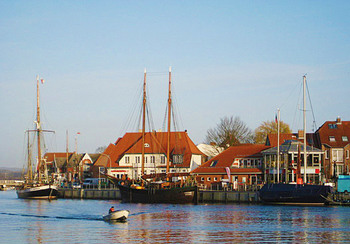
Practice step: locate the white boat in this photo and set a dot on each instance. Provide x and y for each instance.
(118, 215)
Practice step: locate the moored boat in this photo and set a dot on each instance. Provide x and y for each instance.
(38, 192)
(295, 192)
(37, 186)
(299, 194)
(156, 194)
(165, 189)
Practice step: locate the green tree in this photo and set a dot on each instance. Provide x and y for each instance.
(269, 127)
(230, 131)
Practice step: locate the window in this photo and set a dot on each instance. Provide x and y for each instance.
(146, 159)
(213, 163)
(162, 159)
(163, 170)
(327, 154)
(215, 179)
(202, 178)
(208, 179)
(177, 159)
(146, 145)
(331, 138)
(137, 159)
(347, 153)
(153, 159)
(337, 155)
(332, 126)
(127, 159)
(344, 138)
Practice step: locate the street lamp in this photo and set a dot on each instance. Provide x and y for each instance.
(110, 164)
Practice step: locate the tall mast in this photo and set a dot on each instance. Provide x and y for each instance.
(278, 145)
(30, 167)
(38, 126)
(304, 115)
(143, 124)
(169, 123)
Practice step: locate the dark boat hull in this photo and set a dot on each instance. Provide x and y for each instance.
(152, 195)
(38, 192)
(294, 194)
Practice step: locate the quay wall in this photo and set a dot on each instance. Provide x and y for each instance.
(228, 197)
(203, 196)
(104, 194)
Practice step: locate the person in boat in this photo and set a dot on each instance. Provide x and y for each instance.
(111, 210)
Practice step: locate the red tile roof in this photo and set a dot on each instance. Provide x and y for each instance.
(131, 143)
(227, 157)
(272, 139)
(338, 130)
(50, 156)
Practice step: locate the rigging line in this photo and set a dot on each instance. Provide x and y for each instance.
(296, 109)
(149, 112)
(134, 107)
(312, 110)
(290, 94)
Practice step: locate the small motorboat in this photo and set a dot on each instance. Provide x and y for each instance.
(118, 215)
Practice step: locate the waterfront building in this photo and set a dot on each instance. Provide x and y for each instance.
(123, 158)
(70, 165)
(237, 165)
(333, 139)
(291, 152)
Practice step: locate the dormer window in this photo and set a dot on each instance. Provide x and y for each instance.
(146, 145)
(332, 126)
(331, 138)
(344, 138)
(213, 163)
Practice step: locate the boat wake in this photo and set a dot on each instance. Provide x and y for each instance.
(53, 217)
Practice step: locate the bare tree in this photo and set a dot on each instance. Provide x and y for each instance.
(269, 127)
(101, 149)
(230, 131)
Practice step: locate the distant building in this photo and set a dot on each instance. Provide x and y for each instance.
(333, 139)
(123, 158)
(242, 164)
(70, 166)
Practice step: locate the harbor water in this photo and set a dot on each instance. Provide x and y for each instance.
(80, 221)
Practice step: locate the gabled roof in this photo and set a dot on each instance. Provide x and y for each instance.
(227, 157)
(272, 139)
(336, 129)
(155, 143)
(51, 156)
(291, 146)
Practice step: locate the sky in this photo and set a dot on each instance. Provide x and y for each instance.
(228, 58)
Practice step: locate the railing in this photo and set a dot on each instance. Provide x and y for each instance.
(239, 187)
(11, 182)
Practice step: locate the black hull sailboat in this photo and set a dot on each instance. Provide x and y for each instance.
(174, 195)
(38, 192)
(299, 194)
(166, 191)
(284, 193)
(37, 187)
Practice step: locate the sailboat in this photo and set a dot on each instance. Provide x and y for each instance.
(157, 191)
(37, 187)
(299, 193)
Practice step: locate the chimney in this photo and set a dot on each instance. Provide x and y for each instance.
(300, 134)
(338, 120)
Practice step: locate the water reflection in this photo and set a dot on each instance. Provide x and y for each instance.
(79, 221)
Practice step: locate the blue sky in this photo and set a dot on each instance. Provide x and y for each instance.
(228, 58)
